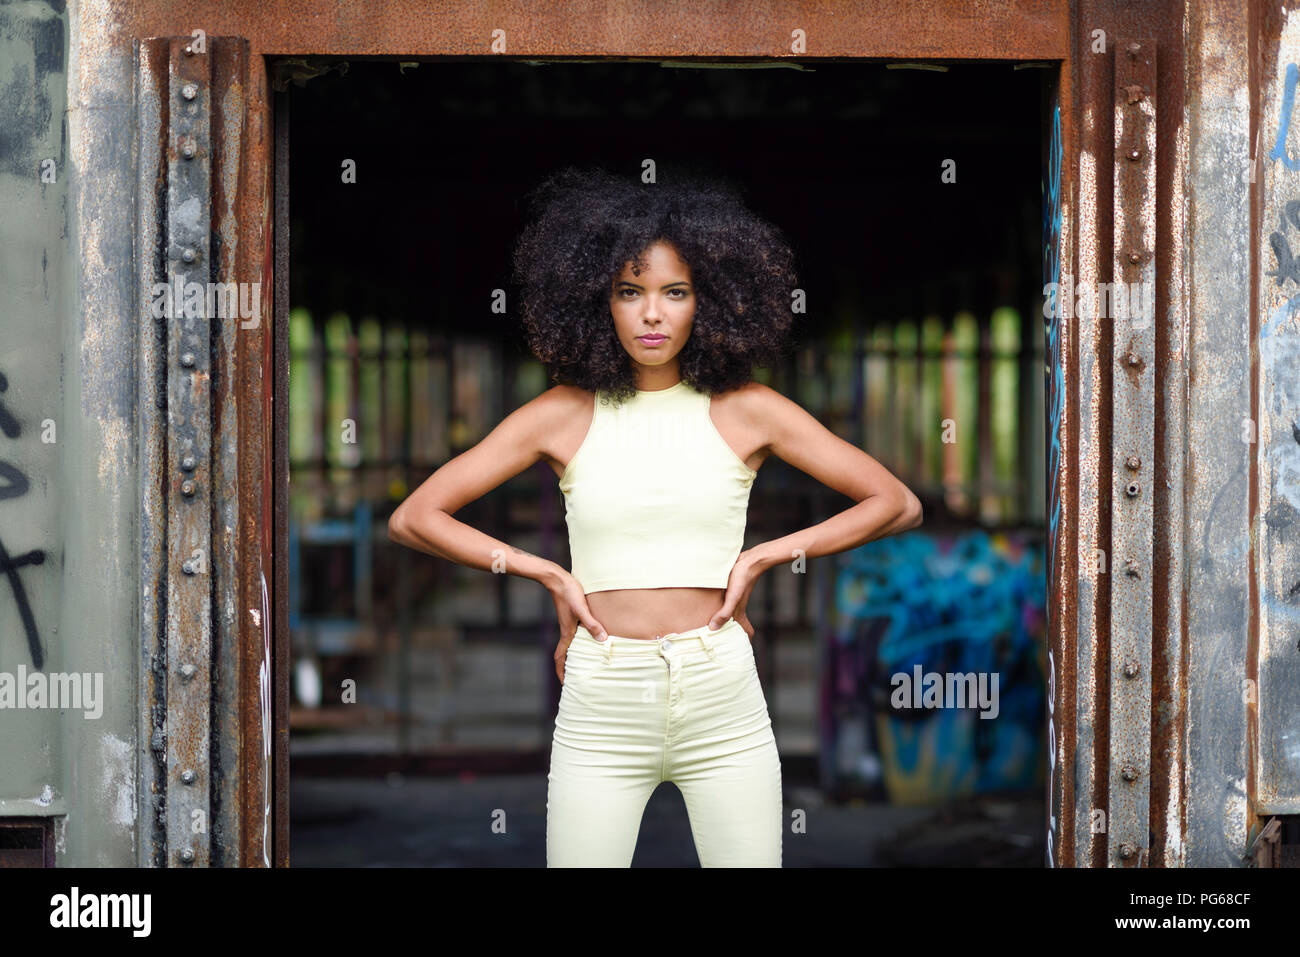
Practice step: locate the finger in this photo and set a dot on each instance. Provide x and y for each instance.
(722, 614)
(596, 629)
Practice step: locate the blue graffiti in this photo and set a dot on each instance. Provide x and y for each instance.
(1284, 121)
(1055, 388)
(970, 603)
(1055, 383)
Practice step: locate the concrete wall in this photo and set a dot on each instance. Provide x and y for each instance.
(67, 443)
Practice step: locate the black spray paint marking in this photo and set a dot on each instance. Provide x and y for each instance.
(14, 484)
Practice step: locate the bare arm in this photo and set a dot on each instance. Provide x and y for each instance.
(424, 520)
(885, 505)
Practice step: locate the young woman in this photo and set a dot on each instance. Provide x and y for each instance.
(651, 305)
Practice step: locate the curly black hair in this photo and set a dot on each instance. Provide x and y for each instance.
(585, 225)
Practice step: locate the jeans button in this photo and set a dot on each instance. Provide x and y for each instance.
(665, 644)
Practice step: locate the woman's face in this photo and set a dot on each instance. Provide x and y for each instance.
(653, 312)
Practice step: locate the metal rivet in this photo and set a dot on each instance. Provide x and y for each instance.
(1129, 773)
(1131, 669)
(1135, 257)
(187, 856)
(187, 360)
(187, 567)
(187, 776)
(1135, 154)
(1126, 851)
(1133, 462)
(1134, 49)
(1131, 569)
(188, 150)
(189, 91)
(188, 671)
(188, 255)
(190, 50)
(1132, 490)
(188, 463)
(187, 487)
(1133, 359)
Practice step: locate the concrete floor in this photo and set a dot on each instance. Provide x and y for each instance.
(447, 822)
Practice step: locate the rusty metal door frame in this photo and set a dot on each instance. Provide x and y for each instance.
(1118, 401)
(205, 684)
(1080, 392)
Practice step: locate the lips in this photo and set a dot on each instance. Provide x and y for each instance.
(652, 339)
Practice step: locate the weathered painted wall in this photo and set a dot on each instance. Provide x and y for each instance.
(1277, 406)
(33, 258)
(67, 439)
(1218, 461)
(1243, 446)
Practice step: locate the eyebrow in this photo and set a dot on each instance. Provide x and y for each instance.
(679, 282)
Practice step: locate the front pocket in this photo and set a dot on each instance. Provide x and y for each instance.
(582, 664)
(736, 652)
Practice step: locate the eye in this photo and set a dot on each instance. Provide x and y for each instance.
(627, 289)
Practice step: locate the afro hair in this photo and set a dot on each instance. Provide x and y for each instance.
(585, 226)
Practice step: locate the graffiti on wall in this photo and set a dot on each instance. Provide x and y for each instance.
(13, 485)
(968, 603)
(1055, 387)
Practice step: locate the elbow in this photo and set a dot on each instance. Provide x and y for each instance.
(397, 526)
(911, 512)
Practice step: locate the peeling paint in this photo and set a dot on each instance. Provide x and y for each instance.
(117, 781)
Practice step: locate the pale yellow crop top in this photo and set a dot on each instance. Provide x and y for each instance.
(654, 496)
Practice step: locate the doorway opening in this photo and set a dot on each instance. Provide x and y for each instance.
(423, 691)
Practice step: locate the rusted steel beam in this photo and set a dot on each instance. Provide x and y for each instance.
(241, 534)
(1078, 406)
(188, 463)
(888, 29)
(1125, 308)
(1087, 571)
(278, 499)
(152, 88)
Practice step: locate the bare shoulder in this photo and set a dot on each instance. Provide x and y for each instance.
(561, 403)
(560, 417)
(745, 399)
(754, 405)
(553, 407)
(745, 417)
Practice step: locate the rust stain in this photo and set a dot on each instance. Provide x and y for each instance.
(886, 29)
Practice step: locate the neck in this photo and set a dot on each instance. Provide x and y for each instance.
(658, 378)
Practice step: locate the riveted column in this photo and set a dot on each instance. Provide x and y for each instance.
(1129, 310)
(188, 466)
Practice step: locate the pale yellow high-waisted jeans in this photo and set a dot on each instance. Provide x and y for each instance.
(687, 708)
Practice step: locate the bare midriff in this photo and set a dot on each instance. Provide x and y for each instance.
(651, 612)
